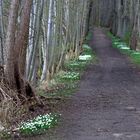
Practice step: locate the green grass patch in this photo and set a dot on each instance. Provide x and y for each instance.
(86, 50)
(69, 76)
(135, 58)
(89, 36)
(86, 57)
(75, 65)
(127, 37)
(65, 93)
(125, 49)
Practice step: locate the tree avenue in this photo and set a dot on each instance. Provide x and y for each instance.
(37, 37)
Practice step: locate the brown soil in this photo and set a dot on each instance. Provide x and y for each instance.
(107, 104)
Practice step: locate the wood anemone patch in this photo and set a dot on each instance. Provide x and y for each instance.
(15, 102)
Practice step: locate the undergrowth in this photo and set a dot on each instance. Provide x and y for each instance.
(62, 86)
(39, 124)
(65, 82)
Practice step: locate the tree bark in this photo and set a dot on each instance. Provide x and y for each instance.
(10, 43)
(15, 64)
(22, 37)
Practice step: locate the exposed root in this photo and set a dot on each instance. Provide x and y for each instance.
(8, 105)
(14, 105)
(17, 101)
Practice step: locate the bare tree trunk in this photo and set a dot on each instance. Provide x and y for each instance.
(1, 34)
(22, 39)
(39, 13)
(134, 35)
(17, 49)
(45, 48)
(10, 43)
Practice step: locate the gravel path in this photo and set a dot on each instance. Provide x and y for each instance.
(107, 104)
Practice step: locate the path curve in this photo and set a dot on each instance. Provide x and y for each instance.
(107, 104)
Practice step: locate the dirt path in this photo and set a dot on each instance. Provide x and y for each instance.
(107, 104)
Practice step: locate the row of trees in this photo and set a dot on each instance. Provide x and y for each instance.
(121, 16)
(38, 35)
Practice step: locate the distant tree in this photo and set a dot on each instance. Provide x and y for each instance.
(121, 16)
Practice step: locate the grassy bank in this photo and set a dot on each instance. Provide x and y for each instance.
(125, 49)
(61, 87)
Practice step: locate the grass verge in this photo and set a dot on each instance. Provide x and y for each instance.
(65, 82)
(125, 49)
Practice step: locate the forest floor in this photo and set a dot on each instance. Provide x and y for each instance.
(107, 104)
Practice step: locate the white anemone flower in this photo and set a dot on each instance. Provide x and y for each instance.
(85, 57)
